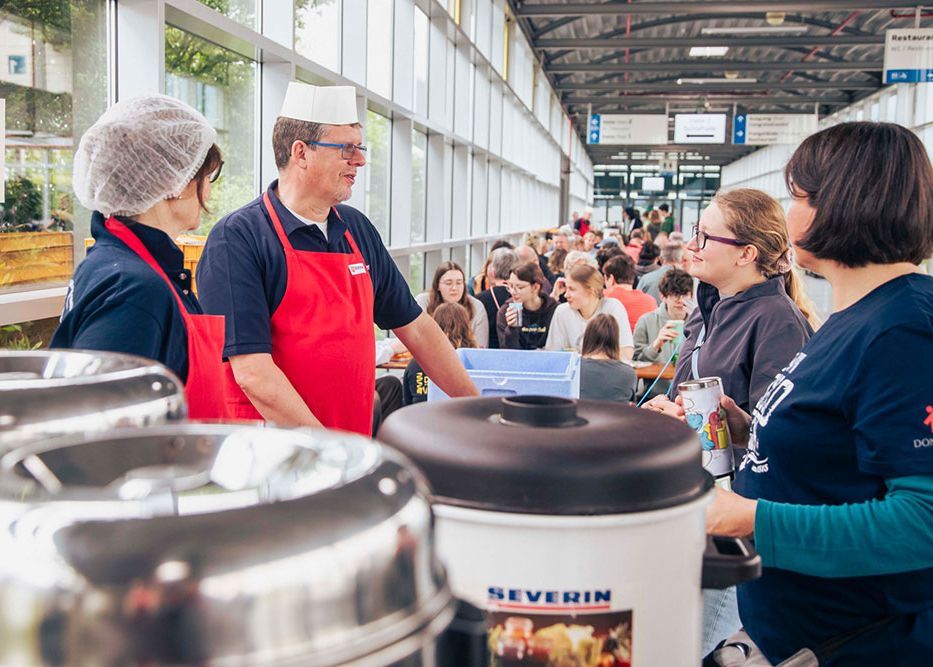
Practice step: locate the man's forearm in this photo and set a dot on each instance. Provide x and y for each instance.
(270, 392)
(436, 356)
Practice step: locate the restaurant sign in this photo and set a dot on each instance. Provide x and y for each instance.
(908, 56)
(767, 129)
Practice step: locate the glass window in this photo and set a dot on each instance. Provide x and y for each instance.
(317, 31)
(419, 168)
(222, 85)
(55, 86)
(241, 11)
(421, 62)
(416, 272)
(378, 137)
(379, 47)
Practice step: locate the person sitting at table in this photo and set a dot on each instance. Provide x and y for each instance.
(603, 375)
(526, 285)
(838, 457)
(647, 259)
(449, 286)
(555, 264)
(619, 274)
(574, 258)
(635, 242)
(503, 260)
(657, 336)
(752, 318)
(454, 321)
(584, 300)
(482, 280)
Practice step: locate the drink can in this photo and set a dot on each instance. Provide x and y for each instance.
(704, 414)
(517, 307)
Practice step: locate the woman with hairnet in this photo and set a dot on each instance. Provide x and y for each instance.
(145, 169)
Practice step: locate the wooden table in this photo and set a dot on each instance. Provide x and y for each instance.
(394, 365)
(651, 372)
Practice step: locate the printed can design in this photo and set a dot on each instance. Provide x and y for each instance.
(704, 415)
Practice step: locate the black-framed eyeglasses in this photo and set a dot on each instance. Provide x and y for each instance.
(702, 237)
(347, 151)
(213, 177)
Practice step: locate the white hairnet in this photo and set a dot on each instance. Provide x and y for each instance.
(139, 152)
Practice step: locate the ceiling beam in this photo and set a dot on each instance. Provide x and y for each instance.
(675, 20)
(661, 8)
(718, 66)
(725, 85)
(689, 42)
(712, 99)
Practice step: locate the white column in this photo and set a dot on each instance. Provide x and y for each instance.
(438, 188)
(479, 207)
(140, 48)
(274, 83)
(354, 40)
(437, 69)
(461, 193)
(404, 53)
(400, 200)
(278, 21)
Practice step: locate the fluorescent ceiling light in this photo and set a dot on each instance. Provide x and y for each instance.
(755, 30)
(708, 51)
(681, 82)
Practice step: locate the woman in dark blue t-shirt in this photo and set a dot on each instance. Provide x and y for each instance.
(839, 463)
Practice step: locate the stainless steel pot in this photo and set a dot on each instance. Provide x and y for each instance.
(52, 392)
(217, 544)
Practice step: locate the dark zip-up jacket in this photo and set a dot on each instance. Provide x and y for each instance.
(750, 337)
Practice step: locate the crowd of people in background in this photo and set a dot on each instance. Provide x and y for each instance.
(592, 288)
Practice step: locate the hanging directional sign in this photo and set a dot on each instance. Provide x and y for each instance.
(766, 129)
(627, 129)
(908, 56)
(700, 128)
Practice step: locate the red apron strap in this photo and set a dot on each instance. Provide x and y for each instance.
(276, 223)
(353, 247)
(132, 241)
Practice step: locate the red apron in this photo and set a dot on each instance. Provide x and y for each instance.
(322, 336)
(203, 390)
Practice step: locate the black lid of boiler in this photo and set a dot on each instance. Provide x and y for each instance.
(546, 455)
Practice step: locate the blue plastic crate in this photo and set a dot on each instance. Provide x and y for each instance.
(515, 372)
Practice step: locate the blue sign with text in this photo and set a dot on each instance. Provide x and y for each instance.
(592, 133)
(909, 76)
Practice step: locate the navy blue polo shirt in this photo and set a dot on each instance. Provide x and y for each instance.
(242, 273)
(852, 409)
(118, 303)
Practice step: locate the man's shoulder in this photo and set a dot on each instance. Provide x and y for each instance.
(242, 220)
(643, 299)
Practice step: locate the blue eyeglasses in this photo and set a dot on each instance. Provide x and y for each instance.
(347, 151)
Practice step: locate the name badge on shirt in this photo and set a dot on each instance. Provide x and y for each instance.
(357, 269)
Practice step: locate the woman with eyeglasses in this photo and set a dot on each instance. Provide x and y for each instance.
(752, 318)
(523, 321)
(145, 169)
(449, 286)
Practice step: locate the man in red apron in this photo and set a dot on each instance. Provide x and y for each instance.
(302, 280)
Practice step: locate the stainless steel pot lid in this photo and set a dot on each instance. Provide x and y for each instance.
(44, 392)
(223, 544)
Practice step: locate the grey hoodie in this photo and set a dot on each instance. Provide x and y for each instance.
(750, 337)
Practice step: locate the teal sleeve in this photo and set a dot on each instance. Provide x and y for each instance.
(876, 537)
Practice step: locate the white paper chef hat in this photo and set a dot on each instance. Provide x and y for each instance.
(331, 105)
